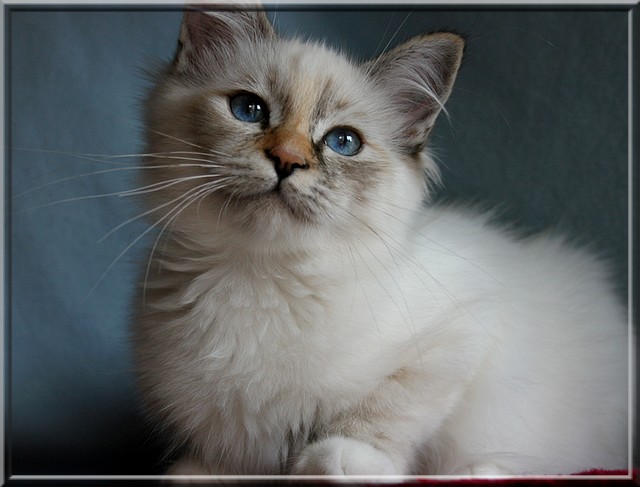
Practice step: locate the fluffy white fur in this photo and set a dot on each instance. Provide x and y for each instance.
(372, 335)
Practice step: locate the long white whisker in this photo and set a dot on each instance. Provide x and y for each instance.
(393, 14)
(351, 248)
(417, 264)
(137, 239)
(71, 200)
(124, 251)
(71, 178)
(154, 154)
(208, 162)
(226, 204)
(202, 192)
(96, 196)
(85, 157)
(164, 184)
(106, 171)
(205, 190)
(392, 253)
(440, 247)
(169, 136)
(373, 64)
(207, 149)
(153, 210)
(100, 157)
(397, 31)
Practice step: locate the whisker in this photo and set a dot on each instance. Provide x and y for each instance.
(178, 139)
(153, 210)
(209, 150)
(104, 156)
(108, 159)
(384, 34)
(440, 248)
(404, 21)
(372, 65)
(226, 204)
(208, 162)
(156, 154)
(71, 178)
(414, 263)
(164, 184)
(391, 251)
(106, 171)
(101, 195)
(71, 200)
(130, 245)
(374, 316)
(410, 321)
(83, 156)
(113, 263)
(203, 192)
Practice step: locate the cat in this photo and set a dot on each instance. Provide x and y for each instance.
(306, 311)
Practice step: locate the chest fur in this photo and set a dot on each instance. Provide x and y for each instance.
(264, 356)
(242, 329)
(277, 331)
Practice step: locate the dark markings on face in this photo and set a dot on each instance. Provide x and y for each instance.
(279, 93)
(318, 152)
(324, 102)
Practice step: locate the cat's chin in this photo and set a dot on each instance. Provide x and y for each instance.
(280, 203)
(269, 222)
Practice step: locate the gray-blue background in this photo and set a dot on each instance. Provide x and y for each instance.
(538, 126)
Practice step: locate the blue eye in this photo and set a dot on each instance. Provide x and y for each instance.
(343, 141)
(248, 107)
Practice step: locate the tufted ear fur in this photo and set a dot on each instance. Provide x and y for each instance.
(207, 35)
(418, 76)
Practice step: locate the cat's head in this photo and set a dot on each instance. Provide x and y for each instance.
(280, 138)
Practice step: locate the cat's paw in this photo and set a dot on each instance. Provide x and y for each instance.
(187, 471)
(482, 469)
(343, 456)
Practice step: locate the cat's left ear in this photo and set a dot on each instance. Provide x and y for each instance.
(418, 76)
(211, 34)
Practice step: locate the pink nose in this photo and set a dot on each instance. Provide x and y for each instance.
(286, 160)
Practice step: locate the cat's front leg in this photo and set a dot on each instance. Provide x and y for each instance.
(384, 433)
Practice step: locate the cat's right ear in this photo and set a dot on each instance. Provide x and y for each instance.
(207, 35)
(418, 77)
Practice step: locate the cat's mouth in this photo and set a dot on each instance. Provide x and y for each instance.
(292, 201)
(261, 195)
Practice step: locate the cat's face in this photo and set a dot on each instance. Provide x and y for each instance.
(268, 135)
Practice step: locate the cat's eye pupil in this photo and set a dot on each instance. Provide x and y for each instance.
(248, 107)
(343, 141)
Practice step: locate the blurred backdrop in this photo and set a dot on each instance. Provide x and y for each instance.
(537, 127)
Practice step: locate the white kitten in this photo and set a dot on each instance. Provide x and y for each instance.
(305, 313)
